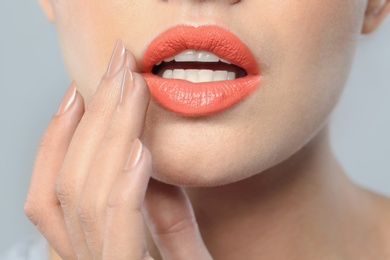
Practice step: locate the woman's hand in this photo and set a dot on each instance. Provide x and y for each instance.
(91, 175)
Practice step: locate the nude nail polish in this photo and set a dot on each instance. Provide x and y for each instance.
(135, 154)
(130, 61)
(127, 85)
(68, 100)
(117, 59)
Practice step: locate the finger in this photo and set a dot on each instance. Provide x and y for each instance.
(82, 149)
(124, 236)
(130, 61)
(126, 125)
(172, 223)
(42, 205)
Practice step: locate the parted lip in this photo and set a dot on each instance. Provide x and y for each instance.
(210, 38)
(198, 99)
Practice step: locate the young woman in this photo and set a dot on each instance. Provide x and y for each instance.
(210, 126)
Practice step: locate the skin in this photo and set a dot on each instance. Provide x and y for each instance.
(283, 194)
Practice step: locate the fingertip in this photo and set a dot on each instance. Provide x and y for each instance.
(72, 102)
(141, 172)
(130, 187)
(141, 85)
(131, 61)
(80, 104)
(144, 165)
(135, 154)
(68, 100)
(147, 155)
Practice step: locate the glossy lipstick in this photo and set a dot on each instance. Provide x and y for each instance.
(196, 99)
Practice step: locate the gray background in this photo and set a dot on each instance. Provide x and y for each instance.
(33, 81)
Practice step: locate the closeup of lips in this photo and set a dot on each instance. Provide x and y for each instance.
(198, 71)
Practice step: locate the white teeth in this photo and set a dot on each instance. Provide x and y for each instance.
(194, 56)
(169, 59)
(188, 55)
(179, 74)
(231, 75)
(220, 75)
(168, 74)
(158, 63)
(197, 76)
(206, 75)
(205, 56)
(192, 75)
(224, 61)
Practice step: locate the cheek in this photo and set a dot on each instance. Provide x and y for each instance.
(80, 24)
(308, 47)
(87, 32)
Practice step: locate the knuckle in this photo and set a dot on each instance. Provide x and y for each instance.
(34, 214)
(31, 212)
(178, 226)
(64, 191)
(119, 201)
(112, 132)
(87, 214)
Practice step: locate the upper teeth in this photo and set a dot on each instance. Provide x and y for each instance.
(193, 56)
(199, 75)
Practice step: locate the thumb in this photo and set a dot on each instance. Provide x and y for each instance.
(171, 220)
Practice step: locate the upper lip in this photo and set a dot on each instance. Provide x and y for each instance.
(210, 38)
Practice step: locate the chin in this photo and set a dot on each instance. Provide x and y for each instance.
(194, 162)
(191, 164)
(218, 150)
(178, 171)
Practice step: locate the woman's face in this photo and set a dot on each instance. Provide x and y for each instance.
(304, 51)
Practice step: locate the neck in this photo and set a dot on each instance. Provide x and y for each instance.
(289, 210)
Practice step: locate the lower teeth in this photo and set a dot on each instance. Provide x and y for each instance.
(199, 75)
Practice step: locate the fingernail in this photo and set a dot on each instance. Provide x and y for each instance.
(127, 84)
(67, 100)
(130, 61)
(117, 59)
(135, 154)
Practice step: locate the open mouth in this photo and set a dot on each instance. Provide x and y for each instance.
(199, 70)
(197, 67)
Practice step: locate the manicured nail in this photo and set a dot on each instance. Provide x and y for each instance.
(117, 59)
(135, 154)
(127, 85)
(130, 61)
(67, 100)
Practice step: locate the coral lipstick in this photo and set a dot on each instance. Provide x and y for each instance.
(200, 98)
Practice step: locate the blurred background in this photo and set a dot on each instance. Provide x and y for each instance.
(33, 81)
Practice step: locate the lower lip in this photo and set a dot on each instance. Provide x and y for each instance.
(197, 99)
